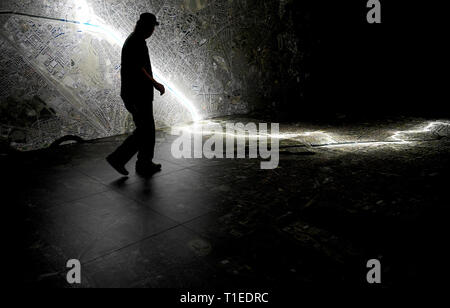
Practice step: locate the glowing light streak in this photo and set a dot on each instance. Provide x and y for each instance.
(92, 22)
(398, 137)
(427, 129)
(202, 128)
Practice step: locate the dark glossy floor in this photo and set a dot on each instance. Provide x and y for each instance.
(316, 219)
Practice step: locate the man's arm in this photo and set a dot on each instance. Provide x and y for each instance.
(156, 84)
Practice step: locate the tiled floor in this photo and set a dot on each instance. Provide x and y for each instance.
(211, 223)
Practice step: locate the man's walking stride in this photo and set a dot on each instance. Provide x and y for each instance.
(137, 94)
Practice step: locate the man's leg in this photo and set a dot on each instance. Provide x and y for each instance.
(123, 154)
(146, 141)
(146, 137)
(128, 149)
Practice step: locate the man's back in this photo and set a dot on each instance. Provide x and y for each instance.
(135, 57)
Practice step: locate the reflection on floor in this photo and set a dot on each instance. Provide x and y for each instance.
(316, 219)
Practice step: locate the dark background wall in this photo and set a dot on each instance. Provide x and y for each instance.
(333, 63)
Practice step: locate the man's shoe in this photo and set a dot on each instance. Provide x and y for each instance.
(156, 166)
(117, 166)
(148, 170)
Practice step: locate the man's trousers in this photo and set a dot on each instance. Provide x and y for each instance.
(142, 141)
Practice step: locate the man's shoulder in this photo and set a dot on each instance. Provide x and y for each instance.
(132, 40)
(129, 38)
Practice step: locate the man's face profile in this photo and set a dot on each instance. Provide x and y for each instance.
(149, 31)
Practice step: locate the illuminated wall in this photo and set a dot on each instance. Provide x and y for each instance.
(60, 63)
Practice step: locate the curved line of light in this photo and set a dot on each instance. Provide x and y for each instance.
(118, 39)
(429, 128)
(396, 137)
(198, 128)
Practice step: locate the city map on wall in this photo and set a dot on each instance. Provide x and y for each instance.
(60, 64)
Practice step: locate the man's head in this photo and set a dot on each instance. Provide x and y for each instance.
(146, 25)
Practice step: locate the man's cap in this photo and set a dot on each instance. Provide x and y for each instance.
(148, 19)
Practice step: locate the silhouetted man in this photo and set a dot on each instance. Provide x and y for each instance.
(137, 94)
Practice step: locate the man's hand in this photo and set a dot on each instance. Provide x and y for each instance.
(160, 88)
(156, 84)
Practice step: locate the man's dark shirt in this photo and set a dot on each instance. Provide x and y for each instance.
(135, 84)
